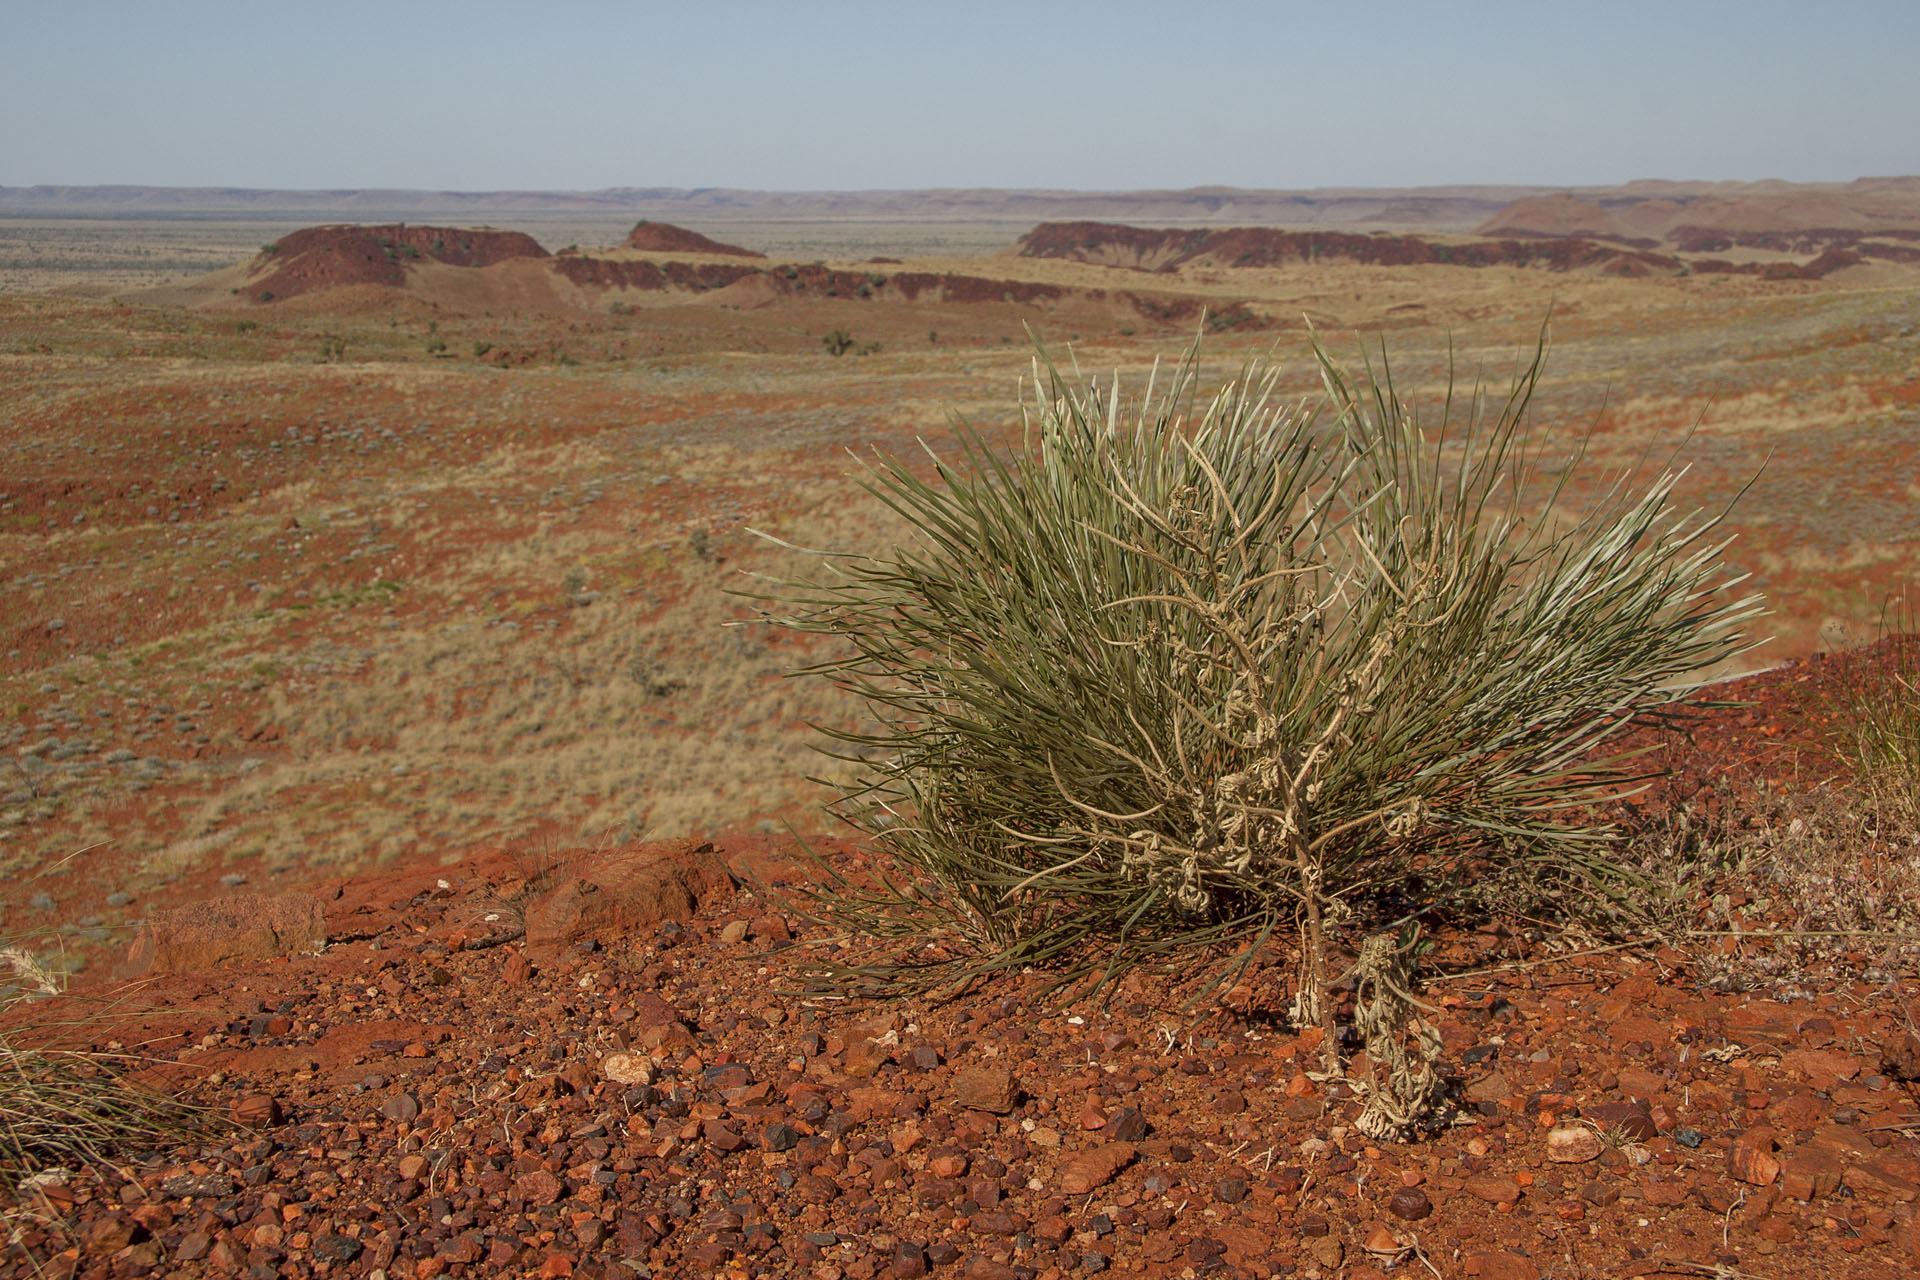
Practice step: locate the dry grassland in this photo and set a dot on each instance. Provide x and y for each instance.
(330, 583)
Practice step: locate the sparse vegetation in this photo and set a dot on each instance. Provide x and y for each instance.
(1878, 726)
(837, 342)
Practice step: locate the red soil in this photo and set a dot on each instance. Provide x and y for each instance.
(664, 237)
(330, 257)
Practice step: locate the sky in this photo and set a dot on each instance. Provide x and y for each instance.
(589, 94)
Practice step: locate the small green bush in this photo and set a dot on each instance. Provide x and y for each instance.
(837, 342)
(1185, 672)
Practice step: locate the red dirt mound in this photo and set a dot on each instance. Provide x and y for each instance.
(331, 257)
(664, 237)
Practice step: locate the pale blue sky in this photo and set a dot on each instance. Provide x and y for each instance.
(583, 94)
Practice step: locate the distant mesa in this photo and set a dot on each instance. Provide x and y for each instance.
(1557, 215)
(1148, 249)
(664, 237)
(1872, 218)
(332, 257)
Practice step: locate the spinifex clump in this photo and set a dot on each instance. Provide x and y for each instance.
(1181, 673)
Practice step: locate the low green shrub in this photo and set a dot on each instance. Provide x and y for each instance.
(1189, 672)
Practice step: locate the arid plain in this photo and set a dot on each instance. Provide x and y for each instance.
(380, 573)
(403, 573)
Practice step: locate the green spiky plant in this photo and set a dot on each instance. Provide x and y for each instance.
(1180, 673)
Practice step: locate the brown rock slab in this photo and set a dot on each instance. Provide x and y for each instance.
(1810, 1174)
(240, 928)
(632, 888)
(1493, 1188)
(1096, 1167)
(1501, 1266)
(986, 1089)
(1823, 1068)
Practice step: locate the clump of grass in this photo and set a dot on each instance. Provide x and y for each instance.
(1879, 732)
(1183, 671)
(65, 1108)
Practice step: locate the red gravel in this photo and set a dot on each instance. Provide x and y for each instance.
(429, 1097)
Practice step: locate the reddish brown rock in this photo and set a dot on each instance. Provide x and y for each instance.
(1493, 1188)
(1751, 1159)
(1810, 1173)
(1823, 1068)
(986, 1089)
(256, 1111)
(1501, 1266)
(240, 928)
(865, 1057)
(626, 890)
(538, 1187)
(1095, 1168)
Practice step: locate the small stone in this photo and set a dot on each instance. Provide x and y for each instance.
(1232, 1190)
(1501, 1266)
(1493, 1188)
(1600, 1194)
(779, 1137)
(720, 1137)
(1381, 1243)
(1490, 1088)
(1809, 1174)
(627, 1068)
(538, 1187)
(336, 1248)
(516, 970)
(1327, 1251)
(413, 1166)
(1572, 1144)
(909, 1262)
(864, 1058)
(257, 1111)
(1410, 1204)
(1095, 1168)
(735, 932)
(200, 1186)
(1751, 1159)
(1126, 1125)
(986, 1089)
(401, 1107)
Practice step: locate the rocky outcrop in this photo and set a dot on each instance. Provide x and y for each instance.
(243, 928)
(331, 257)
(664, 237)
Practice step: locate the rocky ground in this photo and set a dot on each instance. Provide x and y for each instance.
(618, 1064)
